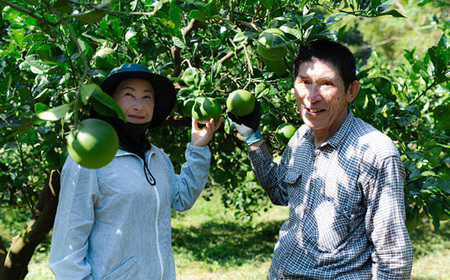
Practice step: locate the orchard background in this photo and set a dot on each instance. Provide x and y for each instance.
(54, 53)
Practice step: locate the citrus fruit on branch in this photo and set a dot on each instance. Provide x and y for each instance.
(271, 44)
(241, 102)
(93, 144)
(206, 108)
(276, 66)
(285, 132)
(187, 107)
(270, 119)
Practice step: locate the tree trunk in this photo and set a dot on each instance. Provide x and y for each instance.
(2, 253)
(23, 246)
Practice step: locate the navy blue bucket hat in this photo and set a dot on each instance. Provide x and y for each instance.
(164, 89)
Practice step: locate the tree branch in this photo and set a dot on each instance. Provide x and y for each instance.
(249, 24)
(175, 51)
(31, 14)
(3, 253)
(231, 54)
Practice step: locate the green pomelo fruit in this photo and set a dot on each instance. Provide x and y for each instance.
(270, 119)
(276, 66)
(187, 107)
(271, 44)
(206, 108)
(241, 102)
(191, 76)
(219, 176)
(285, 132)
(93, 144)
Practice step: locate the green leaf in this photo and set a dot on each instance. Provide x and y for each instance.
(442, 116)
(17, 33)
(55, 113)
(87, 90)
(268, 3)
(393, 13)
(35, 45)
(105, 105)
(384, 87)
(178, 42)
(245, 36)
(175, 15)
(90, 16)
(404, 120)
(262, 89)
(427, 173)
(45, 53)
(335, 18)
(130, 34)
(62, 6)
(444, 184)
(36, 64)
(10, 14)
(5, 84)
(207, 11)
(215, 43)
(440, 58)
(40, 107)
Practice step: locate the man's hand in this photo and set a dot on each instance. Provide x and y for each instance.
(248, 126)
(201, 137)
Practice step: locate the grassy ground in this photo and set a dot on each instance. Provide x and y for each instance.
(209, 243)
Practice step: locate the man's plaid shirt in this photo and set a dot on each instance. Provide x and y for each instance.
(346, 206)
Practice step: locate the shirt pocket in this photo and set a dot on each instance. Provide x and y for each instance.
(126, 270)
(293, 183)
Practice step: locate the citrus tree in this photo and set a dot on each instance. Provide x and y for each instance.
(55, 53)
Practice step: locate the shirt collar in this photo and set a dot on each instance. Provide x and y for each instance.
(338, 136)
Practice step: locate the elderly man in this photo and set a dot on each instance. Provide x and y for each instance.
(341, 178)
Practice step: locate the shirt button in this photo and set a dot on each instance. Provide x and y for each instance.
(306, 210)
(312, 184)
(287, 254)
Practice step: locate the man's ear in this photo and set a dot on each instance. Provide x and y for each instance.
(352, 90)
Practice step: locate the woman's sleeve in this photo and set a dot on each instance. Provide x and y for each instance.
(73, 222)
(192, 178)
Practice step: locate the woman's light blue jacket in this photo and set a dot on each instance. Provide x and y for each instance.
(112, 224)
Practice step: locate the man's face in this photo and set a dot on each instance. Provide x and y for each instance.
(321, 97)
(136, 97)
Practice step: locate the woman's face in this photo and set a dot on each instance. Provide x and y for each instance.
(136, 97)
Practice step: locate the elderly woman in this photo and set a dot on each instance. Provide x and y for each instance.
(114, 222)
